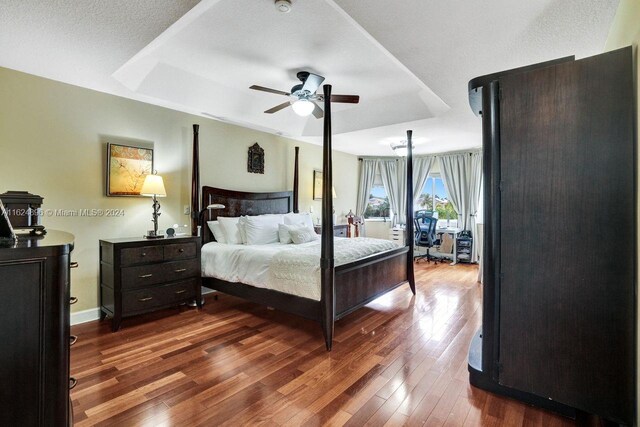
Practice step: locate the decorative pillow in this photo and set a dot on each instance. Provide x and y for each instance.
(297, 218)
(230, 229)
(262, 229)
(216, 229)
(302, 234)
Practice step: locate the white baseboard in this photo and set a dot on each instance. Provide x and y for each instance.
(85, 316)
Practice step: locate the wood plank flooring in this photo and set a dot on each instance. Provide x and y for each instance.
(399, 361)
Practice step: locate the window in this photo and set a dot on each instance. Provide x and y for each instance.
(434, 194)
(378, 206)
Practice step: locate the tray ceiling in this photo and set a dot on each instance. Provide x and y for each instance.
(409, 61)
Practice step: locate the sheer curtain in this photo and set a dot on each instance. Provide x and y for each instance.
(368, 168)
(462, 176)
(395, 186)
(455, 170)
(475, 192)
(421, 168)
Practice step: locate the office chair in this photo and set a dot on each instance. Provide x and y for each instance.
(422, 213)
(425, 236)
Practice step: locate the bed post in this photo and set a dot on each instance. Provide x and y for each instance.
(195, 183)
(327, 272)
(409, 226)
(295, 181)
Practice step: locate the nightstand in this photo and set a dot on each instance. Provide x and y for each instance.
(339, 230)
(138, 275)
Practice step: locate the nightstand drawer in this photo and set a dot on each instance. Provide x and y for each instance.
(179, 251)
(145, 275)
(148, 298)
(340, 232)
(141, 255)
(179, 270)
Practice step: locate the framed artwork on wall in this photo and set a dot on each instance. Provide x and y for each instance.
(127, 167)
(317, 185)
(255, 163)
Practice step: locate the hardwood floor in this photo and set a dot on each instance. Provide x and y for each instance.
(399, 361)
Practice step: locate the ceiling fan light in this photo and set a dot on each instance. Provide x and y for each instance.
(303, 107)
(400, 148)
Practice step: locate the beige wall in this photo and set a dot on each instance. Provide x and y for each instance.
(625, 31)
(52, 140)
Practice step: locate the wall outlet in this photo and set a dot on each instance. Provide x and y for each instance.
(187, 210)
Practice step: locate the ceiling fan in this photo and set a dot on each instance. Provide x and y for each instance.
(303, 96)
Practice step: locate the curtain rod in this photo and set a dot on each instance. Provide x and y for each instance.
(447, 153)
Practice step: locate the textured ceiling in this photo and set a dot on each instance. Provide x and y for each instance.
(409, 60)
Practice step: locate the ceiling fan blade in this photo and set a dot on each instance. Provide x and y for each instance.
(348, 99)
(312, 83)
(317, 111)
(278, 107)
(266, 89)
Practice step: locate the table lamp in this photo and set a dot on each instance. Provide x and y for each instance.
(154, 187)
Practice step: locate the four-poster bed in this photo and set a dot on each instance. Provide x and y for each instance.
(343, 288)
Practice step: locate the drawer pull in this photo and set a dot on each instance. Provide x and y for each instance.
(73, 300)
(181, 291)
(72, 383)
(181, 250)
(72, 340)
(145, 299)
(73, 264)
(145, 276)
(143, 254)
(180, 270)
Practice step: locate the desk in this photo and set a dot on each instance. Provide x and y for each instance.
(454, 233)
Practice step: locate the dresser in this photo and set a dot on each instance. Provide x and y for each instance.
(339, 230)
(138, 275)
(34, 317)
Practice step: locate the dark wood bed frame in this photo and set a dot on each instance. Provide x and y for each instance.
(344, 288)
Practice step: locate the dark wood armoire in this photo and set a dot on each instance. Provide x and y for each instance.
(559, 297)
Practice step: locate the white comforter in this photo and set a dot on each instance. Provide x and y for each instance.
(293, 269)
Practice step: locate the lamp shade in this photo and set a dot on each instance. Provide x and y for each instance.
(303, 107)
(216, 206)
(153, 186)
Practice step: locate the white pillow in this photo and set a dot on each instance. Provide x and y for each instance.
(216, 229)
(243, 233)
(283, 234)
(262, 229)
(297, 218)
(230, 229)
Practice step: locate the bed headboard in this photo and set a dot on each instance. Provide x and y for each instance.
(242, 203)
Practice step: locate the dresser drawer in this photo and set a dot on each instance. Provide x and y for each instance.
(145, 275)
(141, 255)
(179, 251)
(148, 298)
